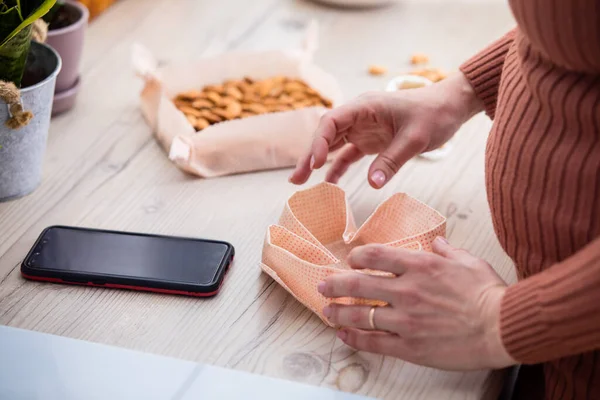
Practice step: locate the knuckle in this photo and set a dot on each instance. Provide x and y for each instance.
(390, 163)
(354, 285)
(326, 118)
(429, 263)
(355, 316)
(417, 140)
(409, 326)
(397, 298)
(374, 253)
(409, 297)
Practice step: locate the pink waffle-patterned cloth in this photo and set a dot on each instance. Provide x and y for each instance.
(317, 231)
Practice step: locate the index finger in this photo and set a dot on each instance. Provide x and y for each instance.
(389, 259)
(331, 126)
(353, 284)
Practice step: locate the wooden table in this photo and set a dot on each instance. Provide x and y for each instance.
(103, 169)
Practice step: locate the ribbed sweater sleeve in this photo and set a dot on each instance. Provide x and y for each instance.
(485, 69)
(555, 313)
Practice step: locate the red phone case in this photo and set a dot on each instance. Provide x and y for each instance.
(126, 287)
(128, 283)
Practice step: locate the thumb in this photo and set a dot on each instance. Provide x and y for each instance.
(389, 161)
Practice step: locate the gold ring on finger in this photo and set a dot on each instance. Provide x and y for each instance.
(372, 318)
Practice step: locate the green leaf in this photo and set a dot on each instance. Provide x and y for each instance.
(31, 10)
(16, 18)
(13, 55)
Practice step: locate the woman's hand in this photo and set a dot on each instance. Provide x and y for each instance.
(443, 312)
(396, 126)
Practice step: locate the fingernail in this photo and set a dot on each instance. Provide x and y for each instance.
(378, 178)
(327, 312)
(312, 162)
(442, 240)
(321, 287)
(342, 334)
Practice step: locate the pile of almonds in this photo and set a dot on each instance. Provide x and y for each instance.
(433, 74)
(243, 98)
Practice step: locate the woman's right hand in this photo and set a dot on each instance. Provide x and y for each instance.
(396, 126)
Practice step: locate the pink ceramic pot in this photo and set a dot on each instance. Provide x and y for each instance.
(68, 42)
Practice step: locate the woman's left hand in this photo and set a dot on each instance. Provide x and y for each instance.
(443, 312)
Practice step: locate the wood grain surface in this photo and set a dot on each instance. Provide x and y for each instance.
(103, 169)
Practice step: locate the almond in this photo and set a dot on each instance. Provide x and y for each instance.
(234, 109)
(214, 88)
(244, 87)
(377, 70)
(419, 58)
(276, 91)
(265, 87)
(298, 95)
(246, 114)
(189, 95)
(226, 100)
(233, 83)
(293, 86)
(255, 108)
(286, 99)
(191, 119)
(201, 123)
(298, 81)
(326, 102)
(211, 116)
(251, 99)
(181, 103)
(433, 74)
(302, 104)
(214, 97)
(234, 92)
(202, 103)
(221, 113)
(190, 111)
(269, 101)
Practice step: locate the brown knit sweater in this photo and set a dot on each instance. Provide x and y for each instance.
(541, 85)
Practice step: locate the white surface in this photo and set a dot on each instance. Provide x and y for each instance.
(357, 3)
(41, 366)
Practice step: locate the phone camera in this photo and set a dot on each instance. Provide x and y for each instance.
(44, 241)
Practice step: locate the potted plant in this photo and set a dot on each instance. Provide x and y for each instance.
(28, 73)
(67, 21)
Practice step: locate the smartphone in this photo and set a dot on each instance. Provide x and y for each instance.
(123, 260)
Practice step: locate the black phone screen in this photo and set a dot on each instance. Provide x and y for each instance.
(146, 257)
